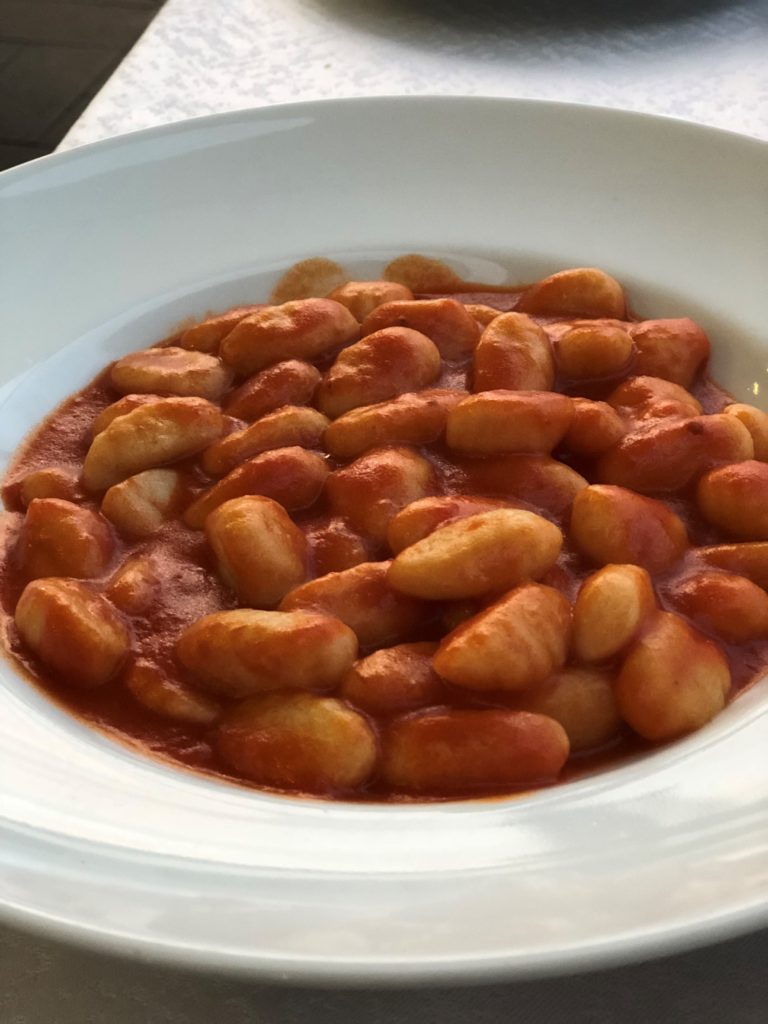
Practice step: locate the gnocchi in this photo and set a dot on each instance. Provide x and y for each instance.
(458, 751)
(673, 680)
(166, 697)
(73, 630)
(651, 398)
(408, 419)
(610, 610)
(516, 643)
(375, 487)
(54, 482)
(59, 538)
(299, 742)
(417, 520)
(735, 499)
(140, 505)
(581, 292)
(243, 652)
(393, 680)
(171, 371)
(583, 701)
(547, 484)
(149, 436)
(671, 349)
(591, 349)
(333, 545)
(124, 405)
(302, 329)
(363, 598)
(756, 422)
(134, 587)
(448, 323)
(362, 297)
(594, 428)
(291, 476)
(748, 559)
(207, 334)
(513, 354)
(384, 364)
(260, 553)
(286, 427)
(731, 607)
(291, 382)
(481, 554)
(682, 450)
(401, 539)
(525, 422)
(615, 525)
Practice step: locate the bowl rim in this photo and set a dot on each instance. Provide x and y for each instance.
(171, 128)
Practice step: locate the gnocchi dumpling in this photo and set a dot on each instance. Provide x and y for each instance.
(301, 329)
(244, 652)
(259, 551)
(383, 365)
(73, 630)
(481, 554)
(459, 751)
(59, 538)
(516, 643)
(150, 436)
(299, 742)
(171, 371)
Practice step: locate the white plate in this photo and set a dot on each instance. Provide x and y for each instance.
(105, 248)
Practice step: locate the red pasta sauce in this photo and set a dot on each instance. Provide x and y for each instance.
(191, 587)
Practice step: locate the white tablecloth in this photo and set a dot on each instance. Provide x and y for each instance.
(705, 60)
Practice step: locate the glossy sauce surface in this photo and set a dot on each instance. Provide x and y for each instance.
(191, 586)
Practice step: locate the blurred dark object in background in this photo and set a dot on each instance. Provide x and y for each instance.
(519, 17)
(55, 55)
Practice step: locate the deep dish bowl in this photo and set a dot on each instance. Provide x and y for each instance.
(107, 248)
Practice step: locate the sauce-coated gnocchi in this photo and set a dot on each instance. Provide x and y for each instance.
(406, 539)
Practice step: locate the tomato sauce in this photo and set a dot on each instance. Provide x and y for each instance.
(191, 587)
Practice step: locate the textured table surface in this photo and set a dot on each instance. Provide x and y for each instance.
(699, 59)
(704, 60)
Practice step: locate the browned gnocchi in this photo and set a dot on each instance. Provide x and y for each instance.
(513, 354)
(418, 418)
(461, 559)
(242, 652)
(459, 750)
(74, 631)
(259, 550)
(59, 538)
(304, 329)
(387, 363)
(519, 641)
(405, 539)
(593, 348)
(291, 382)
(448, 323)
(299, 742)
(374, 488)
(518, 422)
(291, 425)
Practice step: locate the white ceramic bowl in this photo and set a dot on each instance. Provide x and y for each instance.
(102, 250)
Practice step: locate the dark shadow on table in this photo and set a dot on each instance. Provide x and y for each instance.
(514, 18)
